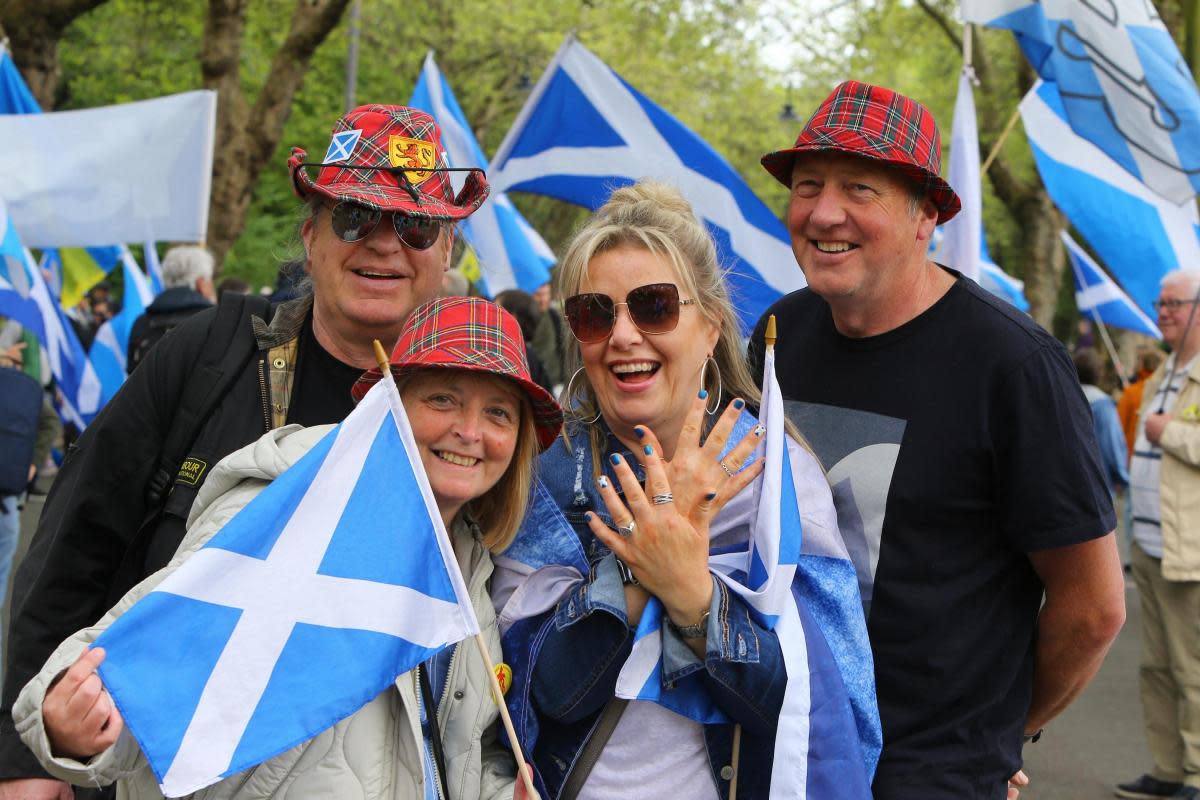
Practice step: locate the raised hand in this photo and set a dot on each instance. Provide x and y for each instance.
(80, 717)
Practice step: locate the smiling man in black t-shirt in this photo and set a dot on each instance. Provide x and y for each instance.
(961, 454)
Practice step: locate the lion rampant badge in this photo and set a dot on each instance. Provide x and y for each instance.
(416, 155)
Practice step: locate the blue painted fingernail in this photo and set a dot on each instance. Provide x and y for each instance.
(640, 431)
(648, 450)
(587, 517)
(739, 404)
(710, 495)
(703, 394)
(615, 459)
(602, 481)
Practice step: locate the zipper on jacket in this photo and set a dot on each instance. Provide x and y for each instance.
(434, 730)
(266, 399)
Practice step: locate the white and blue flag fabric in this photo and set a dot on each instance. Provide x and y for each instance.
(511, 253)
(1124, 85)
(25, 297)
(1100, 298)
(1134, 232)
(585, 131)
(15, 97)
(153, 268)
(991, 276)
(962, 237)
(334, 580)
(111, 344)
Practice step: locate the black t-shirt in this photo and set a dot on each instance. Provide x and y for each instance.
(955, 444)
(321, 386)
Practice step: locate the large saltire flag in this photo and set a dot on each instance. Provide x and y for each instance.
(1137, 234)
(823, 747)
(1124, 85)
(1098, 296)
(336, 579)
(585, 131)
(510, 251)
(109, 348)
(24, 296)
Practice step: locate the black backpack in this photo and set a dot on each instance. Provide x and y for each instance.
(143, 338)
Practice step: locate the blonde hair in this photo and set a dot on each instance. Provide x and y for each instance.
(655, 217)
(499, 511)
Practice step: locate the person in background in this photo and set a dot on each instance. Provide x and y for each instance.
(232, 284)
(187, 273)
(1165, 493)
(1107, 426)
(550, 337)
(523, 306)
(1147, 360)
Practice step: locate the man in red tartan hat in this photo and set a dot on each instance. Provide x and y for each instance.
(377, 236)
(965, 469)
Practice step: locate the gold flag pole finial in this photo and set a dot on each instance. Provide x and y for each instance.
(770, 337)
(381, 357)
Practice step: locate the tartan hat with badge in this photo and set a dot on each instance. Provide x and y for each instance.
(880, 124)
(473, 334)
(390, 158)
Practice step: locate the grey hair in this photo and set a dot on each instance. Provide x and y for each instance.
(184, 265)
(1187, 279)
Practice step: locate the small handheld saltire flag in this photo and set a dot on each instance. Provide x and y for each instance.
(1106, 205)
(1099, 298)
(1125, 87)
(824, 747)
(336, 579)
(510, 251)
(584, 131)
(111, 344)
(24, 296)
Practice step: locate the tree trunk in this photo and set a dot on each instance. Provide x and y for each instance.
(35, 28)
(1043, 255)
(247, 136)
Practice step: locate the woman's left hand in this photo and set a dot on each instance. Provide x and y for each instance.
(665, 551)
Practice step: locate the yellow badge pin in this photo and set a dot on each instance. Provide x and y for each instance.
(504, 677)
(404, 151)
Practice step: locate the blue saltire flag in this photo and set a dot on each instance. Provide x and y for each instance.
(1125, 87)
(991, 276)
(1099, 297)
(15, 97)
(153, 267)
(584, 131)
(111, 344)
(24, 296)
(511, 253)
(336, 579)
(1137, 234)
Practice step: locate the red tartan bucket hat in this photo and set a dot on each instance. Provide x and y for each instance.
(473, 334)
(877, 123)
(389, 158)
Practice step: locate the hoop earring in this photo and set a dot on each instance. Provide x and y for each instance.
(704, 383)
(566, 399)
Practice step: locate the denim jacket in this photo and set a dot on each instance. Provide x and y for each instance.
(567, 658)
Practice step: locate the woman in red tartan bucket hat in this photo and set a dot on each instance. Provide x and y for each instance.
(876, 123)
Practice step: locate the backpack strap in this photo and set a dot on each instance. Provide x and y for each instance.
(222, 361)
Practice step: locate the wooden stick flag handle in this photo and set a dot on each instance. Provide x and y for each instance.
(770, 337)
(381, 357)
(508, 725)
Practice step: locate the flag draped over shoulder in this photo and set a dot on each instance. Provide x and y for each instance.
(1125, 87)
(1099, 298)
(337, 578)
(1138, 235)
(111, 344)
(25, 297)
(509, 250)
(584, 131)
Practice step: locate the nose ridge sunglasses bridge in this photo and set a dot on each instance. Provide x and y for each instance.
(353, 222)
(653, 309)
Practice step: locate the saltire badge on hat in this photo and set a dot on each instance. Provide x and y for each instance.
(342, 145)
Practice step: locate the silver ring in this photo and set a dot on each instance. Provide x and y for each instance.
(727, 470)
(663, 499)
(627, 530)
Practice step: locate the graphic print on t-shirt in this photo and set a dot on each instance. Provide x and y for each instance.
(858, 450)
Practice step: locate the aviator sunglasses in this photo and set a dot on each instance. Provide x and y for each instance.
(352, 222)
(654, 309)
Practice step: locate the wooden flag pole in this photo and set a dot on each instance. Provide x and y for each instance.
(497, 694)
(771, 336)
